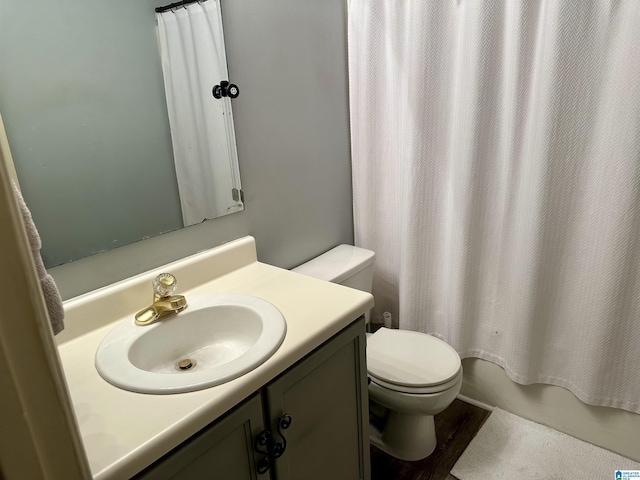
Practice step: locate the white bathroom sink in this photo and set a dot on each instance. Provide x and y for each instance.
(218, 337)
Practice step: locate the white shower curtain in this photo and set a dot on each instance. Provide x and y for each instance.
(193, 61)
(496, 173)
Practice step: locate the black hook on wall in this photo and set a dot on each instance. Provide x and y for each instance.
(225, 89)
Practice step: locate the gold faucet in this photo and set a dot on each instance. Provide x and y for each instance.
(164, 303)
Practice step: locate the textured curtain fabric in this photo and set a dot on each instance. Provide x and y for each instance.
(193, 61)
(496, 173)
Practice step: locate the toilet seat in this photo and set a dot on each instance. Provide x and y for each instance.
(412, 362)
(417, 390)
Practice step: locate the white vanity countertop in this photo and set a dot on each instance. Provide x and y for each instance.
(123, 432)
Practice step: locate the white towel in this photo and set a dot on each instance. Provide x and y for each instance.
(48, 284)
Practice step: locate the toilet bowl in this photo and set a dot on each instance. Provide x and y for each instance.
(412, 376)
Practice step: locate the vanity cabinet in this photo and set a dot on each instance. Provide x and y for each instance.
(223, 450)
(325, 394)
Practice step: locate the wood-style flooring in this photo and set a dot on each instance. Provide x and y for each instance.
(455, 427)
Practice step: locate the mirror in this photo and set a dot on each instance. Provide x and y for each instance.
(98, 143)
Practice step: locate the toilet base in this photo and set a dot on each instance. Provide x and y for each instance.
(407, 437)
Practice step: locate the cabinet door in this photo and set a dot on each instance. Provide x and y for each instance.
(222, 451)
(326, 396)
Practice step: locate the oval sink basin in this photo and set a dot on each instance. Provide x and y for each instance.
(219, 337)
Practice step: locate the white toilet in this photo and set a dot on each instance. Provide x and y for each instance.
(413, 376)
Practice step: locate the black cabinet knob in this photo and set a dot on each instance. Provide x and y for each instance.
(266, 444)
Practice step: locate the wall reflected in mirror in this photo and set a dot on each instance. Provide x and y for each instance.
(83, 99)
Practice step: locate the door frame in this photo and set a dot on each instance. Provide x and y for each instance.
(40, 437)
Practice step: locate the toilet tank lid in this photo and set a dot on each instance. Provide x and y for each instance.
(337, 264)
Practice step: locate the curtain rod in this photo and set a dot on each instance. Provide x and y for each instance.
(176, 5)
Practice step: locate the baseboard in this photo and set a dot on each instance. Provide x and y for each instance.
(475, 403)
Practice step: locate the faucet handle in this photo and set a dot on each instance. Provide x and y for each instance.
(164, 285)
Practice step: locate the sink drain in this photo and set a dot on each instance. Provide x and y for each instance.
(186, 364)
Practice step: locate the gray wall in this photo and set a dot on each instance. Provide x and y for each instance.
(289, 59)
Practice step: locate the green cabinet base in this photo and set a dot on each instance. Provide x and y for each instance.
(325, 394)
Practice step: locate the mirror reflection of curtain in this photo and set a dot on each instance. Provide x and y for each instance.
(193, 61)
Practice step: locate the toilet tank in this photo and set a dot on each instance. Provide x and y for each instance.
(345, 264)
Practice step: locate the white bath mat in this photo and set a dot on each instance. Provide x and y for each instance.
(510, 447)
